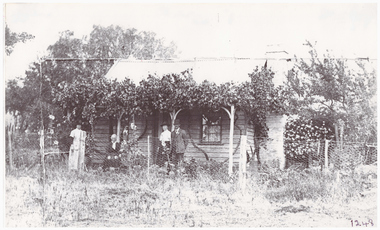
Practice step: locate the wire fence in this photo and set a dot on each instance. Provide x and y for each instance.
(330, 154)
(154, 155)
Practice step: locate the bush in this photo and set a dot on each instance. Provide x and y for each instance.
(301, 136)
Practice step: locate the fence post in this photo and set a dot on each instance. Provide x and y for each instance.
(318, 152)
(10, 148)
(42, 152)
(319, 146)
(148, 154)
(326, 154)
(243, 162)
(231, 152)
(309, 155)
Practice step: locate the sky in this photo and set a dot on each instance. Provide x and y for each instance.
(203, 29)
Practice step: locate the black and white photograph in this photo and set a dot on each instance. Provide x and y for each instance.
(190, 114)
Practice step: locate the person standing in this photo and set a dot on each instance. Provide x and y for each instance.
(77, 149)
(113, 154)
(179, 144)
(164, 148)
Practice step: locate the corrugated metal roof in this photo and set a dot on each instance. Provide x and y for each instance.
(218, 70)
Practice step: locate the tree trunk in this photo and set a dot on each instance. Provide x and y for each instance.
(256, 143)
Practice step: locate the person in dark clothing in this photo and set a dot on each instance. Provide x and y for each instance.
(113, 154)
(179, 144)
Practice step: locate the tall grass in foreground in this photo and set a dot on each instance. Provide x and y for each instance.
(312, 184)
(203, 195)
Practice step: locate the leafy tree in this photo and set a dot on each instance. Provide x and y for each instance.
(106, 44)
(116, 42)
(12, 38)
(335, 90)
(171, 93)
(73, 65)
(25, 100)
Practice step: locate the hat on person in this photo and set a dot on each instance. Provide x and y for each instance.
(177, 122)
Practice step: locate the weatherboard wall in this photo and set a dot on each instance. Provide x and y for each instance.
(191, 122)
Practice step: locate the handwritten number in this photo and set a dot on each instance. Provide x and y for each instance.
(370, 221)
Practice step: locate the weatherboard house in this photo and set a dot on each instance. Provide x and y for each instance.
(204, 144)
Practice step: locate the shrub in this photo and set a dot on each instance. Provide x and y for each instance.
(301, 135)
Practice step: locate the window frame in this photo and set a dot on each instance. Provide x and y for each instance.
(203, 142)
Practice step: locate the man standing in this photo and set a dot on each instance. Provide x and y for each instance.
(179, 144)
(77, 149)
(163, 151)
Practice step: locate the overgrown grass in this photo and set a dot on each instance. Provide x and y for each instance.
(312, 184)
(201, 196)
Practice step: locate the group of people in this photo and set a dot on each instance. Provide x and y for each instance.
(172, 146)
(170, 152)
(77, 151)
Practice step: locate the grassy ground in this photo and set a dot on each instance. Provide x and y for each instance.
(201, 197)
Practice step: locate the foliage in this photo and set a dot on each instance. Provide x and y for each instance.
(259, 97)
(116, 42)
(80, 99)
(301, 135)
(72, 88)
(168, 93)
(12, 38)
(337, 90)
(211, 97)
(26, 97)
(132, 154)
(119, 98)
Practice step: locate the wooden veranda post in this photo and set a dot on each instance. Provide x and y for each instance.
(118, 129)
(148, 155)
(173, 116)
(231, 150)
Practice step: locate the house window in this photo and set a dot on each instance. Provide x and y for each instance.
(212, 128)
